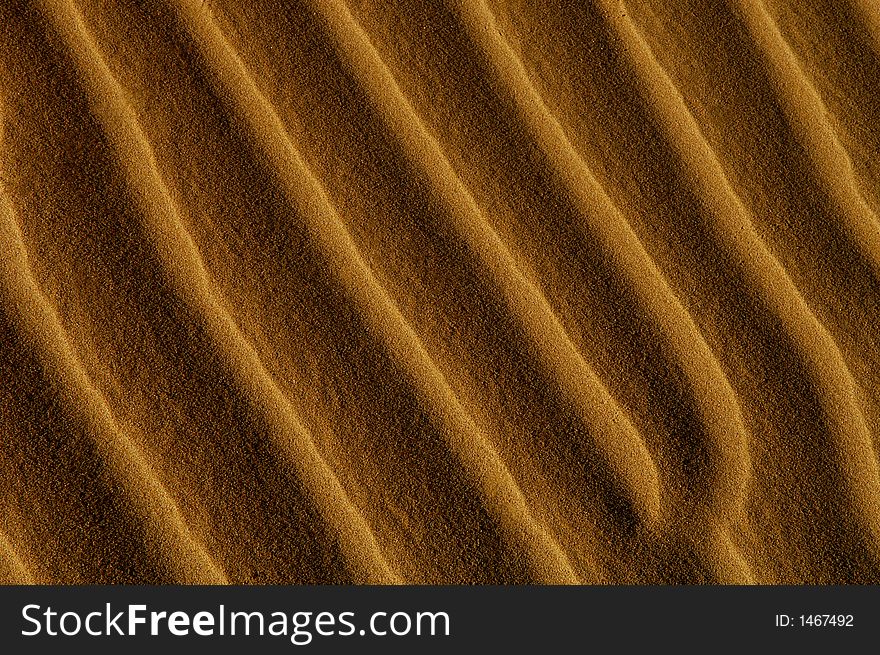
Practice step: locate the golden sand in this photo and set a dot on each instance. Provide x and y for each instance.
(421, 292)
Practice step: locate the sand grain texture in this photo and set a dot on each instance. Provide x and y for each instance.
(342, 291)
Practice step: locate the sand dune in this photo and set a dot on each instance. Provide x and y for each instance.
(341, 291)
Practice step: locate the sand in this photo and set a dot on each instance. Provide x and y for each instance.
(344, 291)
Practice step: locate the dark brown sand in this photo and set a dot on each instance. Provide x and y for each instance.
(487, 292)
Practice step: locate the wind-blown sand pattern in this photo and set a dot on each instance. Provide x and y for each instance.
(345, 291)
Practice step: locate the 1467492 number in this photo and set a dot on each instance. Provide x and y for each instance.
(822, 620)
